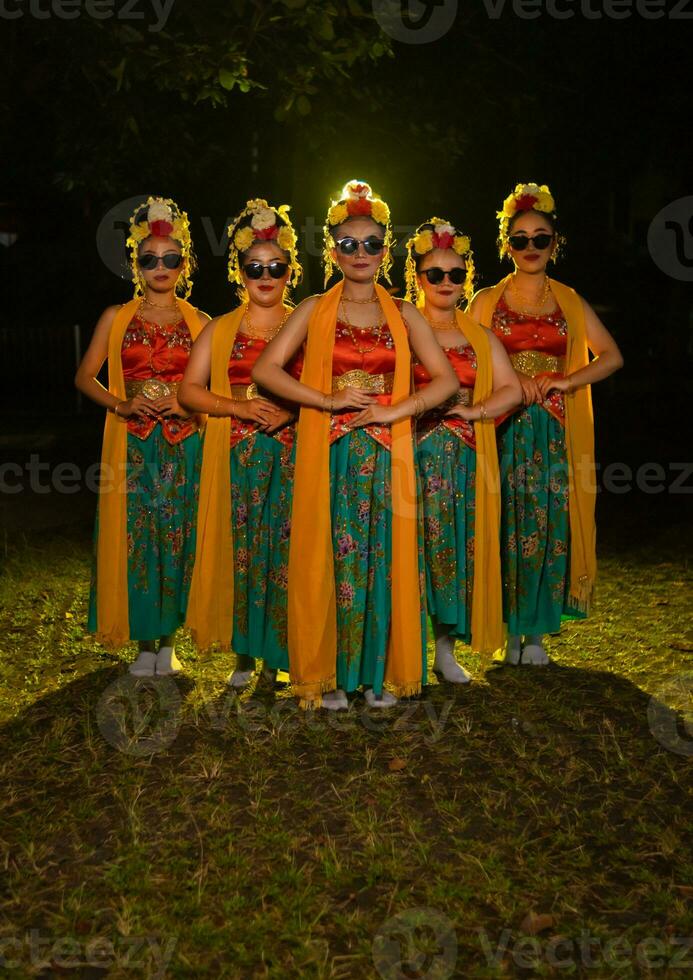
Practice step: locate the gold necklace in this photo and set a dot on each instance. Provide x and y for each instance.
(156, 306)
(437, 325)
(361, 302)
(252, 332)
(350, 328)
(537, 304)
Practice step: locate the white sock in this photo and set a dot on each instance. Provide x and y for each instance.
(144, 665)
(167, 662)
(386, 700)
(335, 700)
(534, 654)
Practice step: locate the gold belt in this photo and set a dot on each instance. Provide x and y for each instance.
(150, 388)
(533, 362)
(244, 392)
(381, 384)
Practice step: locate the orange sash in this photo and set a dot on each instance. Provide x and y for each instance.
(210, 604)
(579, 438)
(312, 611)
(487, 597)
(112, 614)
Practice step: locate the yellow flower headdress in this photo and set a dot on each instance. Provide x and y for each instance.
(437, 233)
(162, 218)
(260, 222)
(525, 197)
(357, 200)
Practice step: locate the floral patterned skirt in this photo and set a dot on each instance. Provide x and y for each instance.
(535, 527)
(362, 535)
(162, 488)
(262, 471)
(447, 469)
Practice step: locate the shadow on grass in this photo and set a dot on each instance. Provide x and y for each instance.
(525, 811)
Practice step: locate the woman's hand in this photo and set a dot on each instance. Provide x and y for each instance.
(384, 414)
(168, 405)
(546, 384)
(531, 392)
(465, 412)
(258, 410)
(282, 418)
(352, 398)
(138, 406)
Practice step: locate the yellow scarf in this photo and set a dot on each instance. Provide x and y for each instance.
(210, 604)
(487, 596)
(112, 614)
(312, 611)
(579, 438)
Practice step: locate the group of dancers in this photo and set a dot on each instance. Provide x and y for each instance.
(307, 485)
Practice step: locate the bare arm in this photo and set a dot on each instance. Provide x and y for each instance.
(607, 358)
(507, 391)
(269, 367)
(195, 396)
(474, 306)
(92, 362)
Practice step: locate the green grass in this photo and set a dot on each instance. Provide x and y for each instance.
(204, 836)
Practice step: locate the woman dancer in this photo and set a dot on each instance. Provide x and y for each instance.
(150, 457)
(238, 595)
(456, 452)
(547, 446)
(355, 610)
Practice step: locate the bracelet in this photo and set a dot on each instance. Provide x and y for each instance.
(328, 408)
(419, 406)
(233, 408)
(571, 385)
(215, 410)
(115, 409)
(483, 417)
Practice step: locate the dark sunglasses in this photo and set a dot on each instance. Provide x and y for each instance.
(276, 269)
(171, 260)
(371, 245)
(520, 242)
(435, 275)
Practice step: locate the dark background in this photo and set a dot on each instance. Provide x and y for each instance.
(288, 100)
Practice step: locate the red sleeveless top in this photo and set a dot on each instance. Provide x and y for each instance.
(380, 360)
(244, 354)
(463, 361)
(526, 333)
(153, 350)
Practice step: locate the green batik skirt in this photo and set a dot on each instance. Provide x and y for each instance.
(162, 488)
(535, 527)
(262, 471)
(362, 538)
(447, 470)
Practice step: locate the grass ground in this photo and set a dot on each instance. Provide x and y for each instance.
(535, 823)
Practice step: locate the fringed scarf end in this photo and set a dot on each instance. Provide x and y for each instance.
(310, 695)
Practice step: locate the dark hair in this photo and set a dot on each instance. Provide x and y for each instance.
(550, 217)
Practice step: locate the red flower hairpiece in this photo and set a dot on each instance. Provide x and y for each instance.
(161, 229)
(266, 234)
(526, 202)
